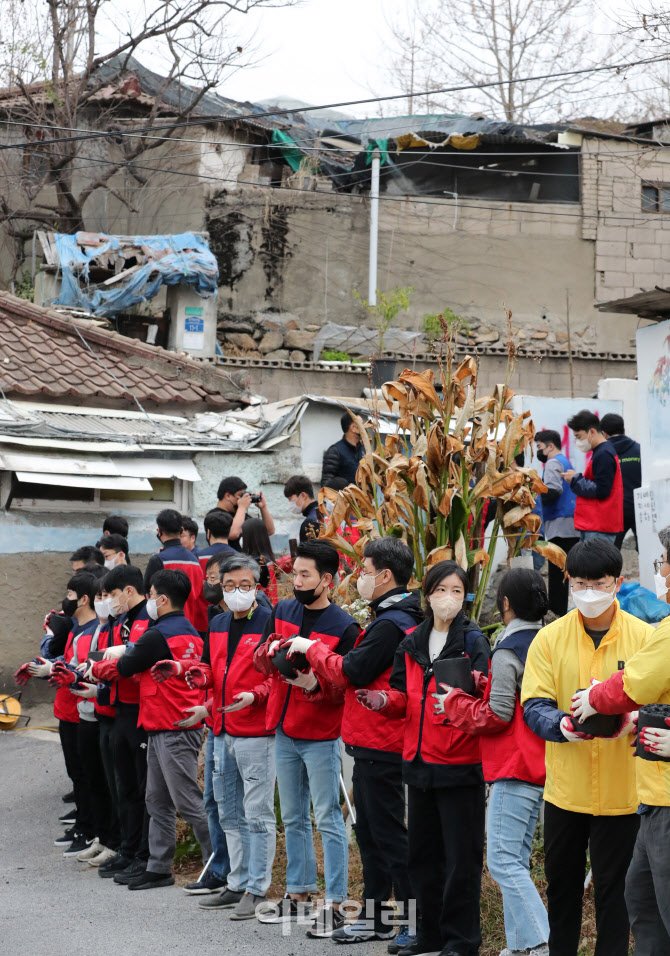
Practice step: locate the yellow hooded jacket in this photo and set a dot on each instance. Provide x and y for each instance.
(596, 776)
(646, 680)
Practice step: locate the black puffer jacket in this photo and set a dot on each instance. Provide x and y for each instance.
(340, 464)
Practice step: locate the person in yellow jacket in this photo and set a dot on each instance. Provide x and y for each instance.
(645, 679)
(590, 795)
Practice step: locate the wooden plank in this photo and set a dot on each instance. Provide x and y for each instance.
(122, 275)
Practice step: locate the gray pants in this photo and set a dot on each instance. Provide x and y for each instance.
(172, 784)
(648, 884)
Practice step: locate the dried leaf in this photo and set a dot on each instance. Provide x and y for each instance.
(443, 553)
(420, 447)
(480, 556)
(422, 384)
(515, 515)
(421, 493)
(467, 369)
(552, 553)
(461, 552)
(444, 506)
(466, 412)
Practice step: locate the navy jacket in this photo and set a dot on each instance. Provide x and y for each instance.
(628, 453)
(340, 464)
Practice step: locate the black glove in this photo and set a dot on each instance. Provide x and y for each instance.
(61, 625)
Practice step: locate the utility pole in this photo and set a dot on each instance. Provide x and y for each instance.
(374, 227)
(567, 327)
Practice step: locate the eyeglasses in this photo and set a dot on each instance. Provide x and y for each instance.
(244, 588)
(658, 564)
(601, 588)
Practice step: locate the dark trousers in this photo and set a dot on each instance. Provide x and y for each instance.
(379, 799)
(628, 525)
(68, 733)
(558, 587)
(130, 761)
(648, 884)
(88, 745)
(446, 856)
(106, 732)
(610, 840)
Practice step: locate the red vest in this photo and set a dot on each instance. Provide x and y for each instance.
(105, 640)
(370, 729)
(426, 734)
(290, 706)
(601, 514)
(178, 558)
(162, 705)
(124, 689)
(65, 703)
(239, 675)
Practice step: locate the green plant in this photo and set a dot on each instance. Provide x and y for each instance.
(436, 323)
(332, 355)
(389, 304)
(24, 287)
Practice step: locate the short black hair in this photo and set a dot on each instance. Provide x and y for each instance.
(115, 524)
(549, 437)
(97, 570)
(114, 542)
(394, 555)
(526, 592)
(584, 421)
(124, 576)
(346, 421)
(175, 585)
(218, 523)
(89, 554)
(322, 553)
(593, 559)
(230, 486)
(297, 485)
(612, 424)
(169, 521)
(188, 524)
(83, 584)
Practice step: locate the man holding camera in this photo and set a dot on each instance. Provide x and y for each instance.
(235, 499)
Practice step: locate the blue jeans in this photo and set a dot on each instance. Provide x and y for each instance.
(311, 768)
(244, 787)
(514, 807)
(221, 863)
(587, 535)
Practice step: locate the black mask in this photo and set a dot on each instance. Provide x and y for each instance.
(212, 593)
(159, 537)
(69, 606)
(542, 456)
(308, 596)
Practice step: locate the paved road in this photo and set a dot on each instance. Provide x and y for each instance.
(53, 906)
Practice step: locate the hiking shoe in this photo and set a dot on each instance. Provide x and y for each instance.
(362, 931)
(78, 845)
(104, 856)
(403, 939)
(327, 922)
(134, 869)
(113, 866)
(69, 817)
(225, 900)
(149, 880)
(65, 839)
(93, 850)
(208, 884)
(246, 908)
(287, 910)
(68, 797)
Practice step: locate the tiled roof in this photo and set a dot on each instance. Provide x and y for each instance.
(46, 353)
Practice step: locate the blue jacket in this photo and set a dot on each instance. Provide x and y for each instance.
(564, 505)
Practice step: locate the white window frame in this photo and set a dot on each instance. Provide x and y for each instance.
(180, 502)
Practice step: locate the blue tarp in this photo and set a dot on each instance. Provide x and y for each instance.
(642, 603)
(189, 262)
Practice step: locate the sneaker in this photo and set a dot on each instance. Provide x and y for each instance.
(68, 797)
(246, 908)
(328, 921)
(149, 881)
(362, 931)
(208, 884)
(402, 940)
(542, 950)
(93, 850)
(420, 945)
(104, 856)
(113, 866)
(136, 868)
(68, 818)
(65, 839)
(287, 910)
(78, 845)
(225, 900)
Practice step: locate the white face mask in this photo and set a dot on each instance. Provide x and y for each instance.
(444, 606)
(239, 600)
(152, 608)
(366, 585)
(294, 508)
(117, 605)
(583, 445)
(593, 603)
(110, 563)
(661, 585)
(103, 608)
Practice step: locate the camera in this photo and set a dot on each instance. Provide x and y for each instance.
(255, 499)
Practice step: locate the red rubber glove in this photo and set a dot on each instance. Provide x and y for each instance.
(165, 669)
(633, 740)
(571, 733)
(481, 681)
(61, 676)
(372, 699)
(274, 642)
(196, 677)
(23, 675)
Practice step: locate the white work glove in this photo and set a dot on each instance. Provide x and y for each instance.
(298, 645)
(306, 681)
(198, 714)
(88, 673)
(240, 701)
(656, 740)
(581, 704)
(40, 670)
(440, 699)
(113, 653)
(570, 733)
(88, 691)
